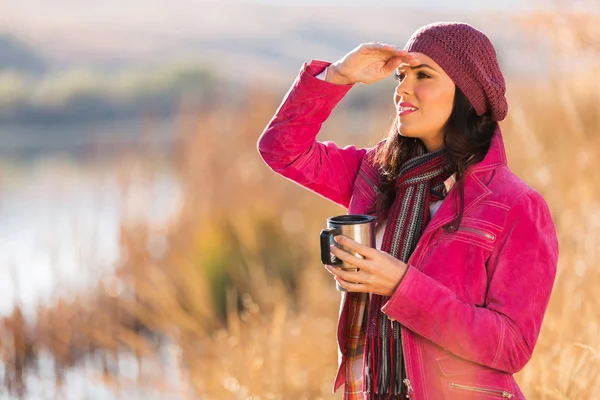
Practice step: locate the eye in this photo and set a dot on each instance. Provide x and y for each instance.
(399, 76)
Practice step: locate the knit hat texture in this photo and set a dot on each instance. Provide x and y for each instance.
(469, 59)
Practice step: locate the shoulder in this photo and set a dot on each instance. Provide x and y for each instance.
(368, 164)
(371, 151)
(507, 187)
(511, 191)
(524, 206)
(510, 202)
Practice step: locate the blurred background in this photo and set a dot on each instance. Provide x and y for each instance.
(146, 251)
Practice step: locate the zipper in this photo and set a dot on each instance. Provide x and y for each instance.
(495, 392)
(408, 387)
(369, 181)
(406, 381)
(479, 232)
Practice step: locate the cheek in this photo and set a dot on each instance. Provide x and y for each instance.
(438, 102)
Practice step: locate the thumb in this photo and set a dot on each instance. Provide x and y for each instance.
(392, 64)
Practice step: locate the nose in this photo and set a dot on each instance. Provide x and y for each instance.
(404, 86)
(403, 89)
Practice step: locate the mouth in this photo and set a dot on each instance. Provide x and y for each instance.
(406, 110)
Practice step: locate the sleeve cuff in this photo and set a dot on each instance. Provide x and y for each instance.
(322, 75)
(400, 306)
(310, 81)
(401, 291)
(415, 298)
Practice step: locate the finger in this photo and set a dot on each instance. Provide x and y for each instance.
(353, 246)
(349, 258)
(350, 276)
(396, 49)
(410, 63)
(383, 44)
(392, 65)
(410, 54)
(350, 286)
(387, 48)
(411, 59)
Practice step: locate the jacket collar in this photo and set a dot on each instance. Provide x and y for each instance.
(496, 155)
(475, 189)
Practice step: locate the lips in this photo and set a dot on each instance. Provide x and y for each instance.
(406, 108)
(406, 111)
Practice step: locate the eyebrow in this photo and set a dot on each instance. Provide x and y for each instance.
(419, 66)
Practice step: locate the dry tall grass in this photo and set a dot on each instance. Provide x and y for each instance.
(235, 283)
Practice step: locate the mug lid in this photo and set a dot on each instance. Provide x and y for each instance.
(352, 219)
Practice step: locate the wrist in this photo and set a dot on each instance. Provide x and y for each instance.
(334, 76)
(401, 273)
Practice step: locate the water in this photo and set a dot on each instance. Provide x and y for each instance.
(59, 225)
(59, 233)
(157, 378)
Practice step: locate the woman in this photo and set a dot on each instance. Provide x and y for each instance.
(450, 302)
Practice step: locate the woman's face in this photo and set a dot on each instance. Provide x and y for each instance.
(427, 88)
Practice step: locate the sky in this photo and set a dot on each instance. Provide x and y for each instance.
(433, 5)
(442, 5)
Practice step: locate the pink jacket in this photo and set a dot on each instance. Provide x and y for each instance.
(472, 302)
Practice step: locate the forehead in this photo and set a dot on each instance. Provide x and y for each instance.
(424, 59)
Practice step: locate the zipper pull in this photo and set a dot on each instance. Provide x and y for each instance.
(408, 387)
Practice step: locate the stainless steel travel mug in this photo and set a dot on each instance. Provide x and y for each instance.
(359, 227)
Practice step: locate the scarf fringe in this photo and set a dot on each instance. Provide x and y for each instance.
(388, 351)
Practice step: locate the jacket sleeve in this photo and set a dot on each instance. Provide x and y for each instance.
(521, 270)
(289, 147)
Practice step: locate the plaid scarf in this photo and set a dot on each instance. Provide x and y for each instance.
(421, 181)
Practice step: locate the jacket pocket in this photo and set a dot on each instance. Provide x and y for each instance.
(463, 379)
(479, 391)
(366, 182)
(478, 232)
(473, 233)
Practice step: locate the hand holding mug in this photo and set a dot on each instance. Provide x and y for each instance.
(378, 272)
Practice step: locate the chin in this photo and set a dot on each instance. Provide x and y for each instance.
(403, 131)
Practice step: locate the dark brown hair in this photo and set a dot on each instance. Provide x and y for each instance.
(467, 139)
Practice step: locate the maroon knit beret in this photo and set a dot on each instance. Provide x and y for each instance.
(469, 59)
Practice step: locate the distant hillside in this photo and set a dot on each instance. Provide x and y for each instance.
(16, 55)
(79, 95)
